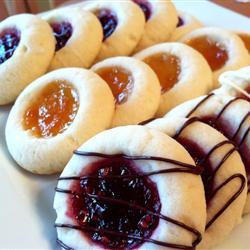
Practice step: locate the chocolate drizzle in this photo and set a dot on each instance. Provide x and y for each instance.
(212, 175)
(181, 167)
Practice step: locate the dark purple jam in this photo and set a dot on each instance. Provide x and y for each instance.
(91, 209)
(9, 40)
(62, 32)
(145, 6)
(109, 22)
(180, 22)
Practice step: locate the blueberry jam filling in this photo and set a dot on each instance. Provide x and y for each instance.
(107, 203)
(180, 22)
(9, 40)
(109, 22)
(62, 32)
(145, 6)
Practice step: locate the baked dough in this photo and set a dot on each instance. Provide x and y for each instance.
(143, 101)
(195, 76)
(237, 53)
(204, 139)
(129, 29)
(181, 195)
(50, 155)
(160, 25)
(34, 51)
(85, 42)
(233, 120)
(187, 22)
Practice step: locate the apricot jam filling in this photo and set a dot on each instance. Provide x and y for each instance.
(53, 110)
(214, 52)
(246, 40)
(119, 80)
(167, 68)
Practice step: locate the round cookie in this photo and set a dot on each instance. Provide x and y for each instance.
(131, 151)
(224, 176)
(182, 72)
(245, 37)
(223, 49)
(228, 115)
(26, 43)
(186, 23)
(135, 88)
(235, 83)
(161, 20)
(54, 115)
(123, 24)
(79, 37)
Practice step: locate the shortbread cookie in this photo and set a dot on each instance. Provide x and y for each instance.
(229, 115)
(123, 24)
(222, 49)
(161, 20)
(224, 175)
(118, 184)
(186, 23)
(182, 72)
(54, 115)
(245, 37)
(135, 87)
(79, 37)
(235, 83)
(27, 47)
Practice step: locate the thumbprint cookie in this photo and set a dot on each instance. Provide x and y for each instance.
(130, 187)
(123, 24)
(161, 20)
(186, 23)
(78, 35)
(135, 88)
(183, 73)
(230, 116)
(54, 115)
(222, 49)
(223, 176)
(26, 43)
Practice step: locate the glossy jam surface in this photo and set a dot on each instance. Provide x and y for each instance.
(119, 80)
(214, 52)
(246, 39)
(9, 40)
(52, 111)
(109, 22)
(117, 212)
(145, 6)
(180, 21)
(167, 67)
(62, 32)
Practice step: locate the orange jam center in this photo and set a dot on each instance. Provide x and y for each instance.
(167, 68)
(119, 80)
(214, 52)
(246, 40)
(53, 110)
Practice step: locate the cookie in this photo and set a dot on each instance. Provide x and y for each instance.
(26, 43)
(228, 115)
(186, 23)
(235, 83)
(161, 20)
(245, 37)
(224, 176)
(79, 37)
(123, 175)
(182, 72)
(123, 24)
(54, 115)
(135, 88)
(222, 49)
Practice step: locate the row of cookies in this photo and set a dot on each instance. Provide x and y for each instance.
(195, 167)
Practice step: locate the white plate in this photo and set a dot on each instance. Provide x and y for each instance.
(26, 213)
